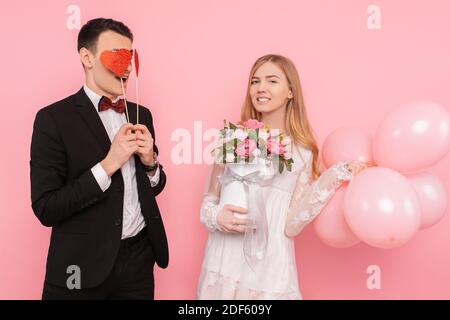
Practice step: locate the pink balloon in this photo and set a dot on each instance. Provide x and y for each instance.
(432, 196)
(330, 224)
(347, 143)
(382, 208)
(412, 137)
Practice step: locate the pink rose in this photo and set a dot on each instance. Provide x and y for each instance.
(275, 147)
(253, 124)
(245, 148)
(240, 150)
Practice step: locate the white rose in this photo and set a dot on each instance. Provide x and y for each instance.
(240, 134)
(256, 153)
(263, 134)
(275, 132)
(229, 157)
(286, 141)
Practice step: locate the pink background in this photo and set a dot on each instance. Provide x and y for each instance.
(195, 59)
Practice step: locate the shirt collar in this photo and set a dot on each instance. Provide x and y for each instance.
(94, 97)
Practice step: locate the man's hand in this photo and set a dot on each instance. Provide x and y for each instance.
(122, 147)
(227, 222)
(145, 142)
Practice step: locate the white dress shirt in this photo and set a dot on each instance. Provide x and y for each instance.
(133, 221)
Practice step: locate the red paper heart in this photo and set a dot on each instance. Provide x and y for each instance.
(136, 62)
(116, 61)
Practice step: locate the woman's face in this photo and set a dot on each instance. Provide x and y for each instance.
(269, 88)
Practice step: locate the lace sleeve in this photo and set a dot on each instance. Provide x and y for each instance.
(210, 204)
(310, 197)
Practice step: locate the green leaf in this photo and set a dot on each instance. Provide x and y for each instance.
(281, 167)
(262, 147)
(289, 167)
(262, 144)
(253, 135)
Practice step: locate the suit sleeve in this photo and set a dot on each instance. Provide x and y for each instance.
(54, 197)
(158, 188)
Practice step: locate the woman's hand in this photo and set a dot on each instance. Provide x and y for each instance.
(227, 222)
(355, 167)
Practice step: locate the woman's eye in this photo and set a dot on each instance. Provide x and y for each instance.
(254, 81)
(273, 81)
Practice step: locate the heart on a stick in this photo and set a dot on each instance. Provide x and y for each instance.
(116, 61)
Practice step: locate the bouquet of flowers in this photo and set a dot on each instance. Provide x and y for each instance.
(252, 154)
(253, 140)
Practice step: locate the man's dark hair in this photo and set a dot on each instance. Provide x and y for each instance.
(89, 33)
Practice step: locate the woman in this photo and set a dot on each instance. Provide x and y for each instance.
(291, 201)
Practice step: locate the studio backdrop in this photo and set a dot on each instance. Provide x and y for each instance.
(357, 60)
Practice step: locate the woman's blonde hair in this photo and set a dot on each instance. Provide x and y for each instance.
(296, 122)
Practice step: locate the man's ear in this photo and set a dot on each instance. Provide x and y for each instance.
(87, 58)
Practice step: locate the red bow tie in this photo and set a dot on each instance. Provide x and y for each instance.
(106, 103)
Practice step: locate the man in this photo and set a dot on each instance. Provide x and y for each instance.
(94, 179)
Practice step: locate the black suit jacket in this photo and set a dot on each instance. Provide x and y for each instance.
(68, 140)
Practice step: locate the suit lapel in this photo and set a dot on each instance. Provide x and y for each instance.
(140, 173)
(92, 119)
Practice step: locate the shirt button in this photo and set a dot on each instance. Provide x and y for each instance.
(118, 222)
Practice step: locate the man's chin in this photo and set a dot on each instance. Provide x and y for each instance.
(118, 91)
(115, 89)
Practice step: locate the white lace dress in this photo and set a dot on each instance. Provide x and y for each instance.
(292, 201)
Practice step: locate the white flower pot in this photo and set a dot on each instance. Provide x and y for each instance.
(234, 192)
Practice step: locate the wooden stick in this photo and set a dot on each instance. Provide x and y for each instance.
(137, 101)
(125, 97)
(136, 68)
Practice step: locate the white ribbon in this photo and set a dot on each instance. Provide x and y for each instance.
(256, 229)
